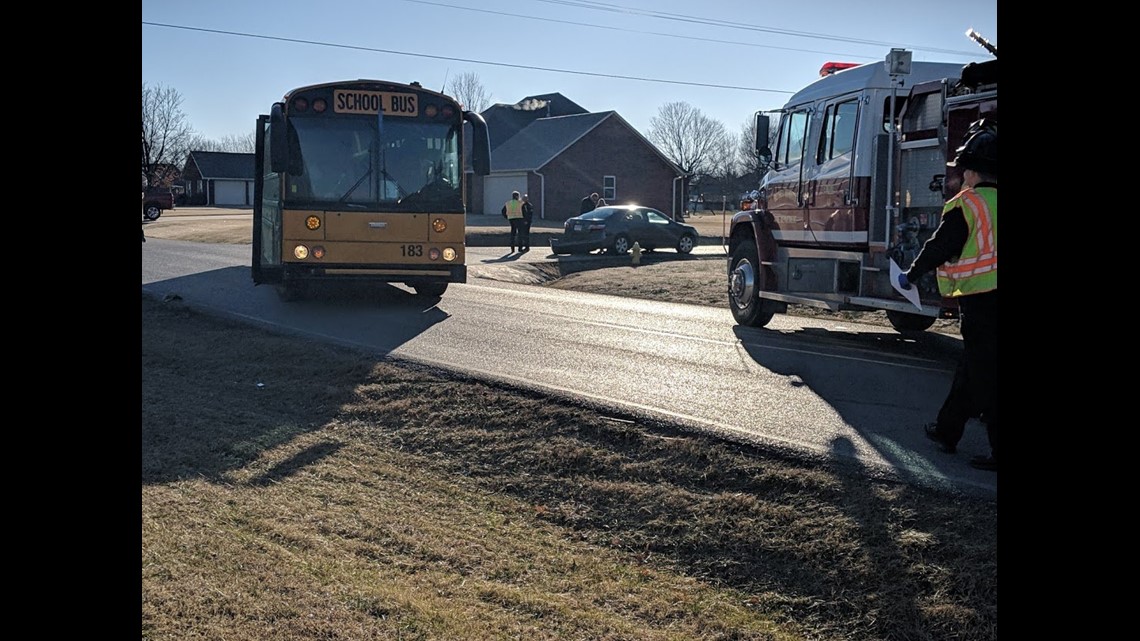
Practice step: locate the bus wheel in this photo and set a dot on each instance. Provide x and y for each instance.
(744, 288)
(904, 323)
(290, 292)
(432, 290)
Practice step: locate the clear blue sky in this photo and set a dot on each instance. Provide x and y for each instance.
(230, 60)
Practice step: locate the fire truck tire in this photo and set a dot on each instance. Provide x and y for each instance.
(744, 287)
(430, 290)
(905, 323)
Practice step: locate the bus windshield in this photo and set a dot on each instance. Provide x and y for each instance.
(363, 163)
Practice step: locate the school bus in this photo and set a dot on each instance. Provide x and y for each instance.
(363, 180)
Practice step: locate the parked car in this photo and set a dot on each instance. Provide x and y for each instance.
(155, 201)
(615, 228)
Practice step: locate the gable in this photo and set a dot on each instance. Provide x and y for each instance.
(222, 165)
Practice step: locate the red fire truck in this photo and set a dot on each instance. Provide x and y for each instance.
(857, 180)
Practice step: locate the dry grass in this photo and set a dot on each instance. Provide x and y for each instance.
(294, 490)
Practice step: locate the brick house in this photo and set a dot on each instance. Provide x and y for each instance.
(551, 148)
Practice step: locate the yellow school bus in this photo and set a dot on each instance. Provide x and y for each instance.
(364, 180)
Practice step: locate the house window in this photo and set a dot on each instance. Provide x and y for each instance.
(609, 188)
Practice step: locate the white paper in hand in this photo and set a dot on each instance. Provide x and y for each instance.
(910, 294)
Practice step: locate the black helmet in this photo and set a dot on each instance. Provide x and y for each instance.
(979, 150)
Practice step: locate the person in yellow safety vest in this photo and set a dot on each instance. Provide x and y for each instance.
(963, 253)
(513, 212)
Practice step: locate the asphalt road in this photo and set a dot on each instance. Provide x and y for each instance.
(851, 393)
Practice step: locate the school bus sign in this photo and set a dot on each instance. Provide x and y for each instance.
(359, 101)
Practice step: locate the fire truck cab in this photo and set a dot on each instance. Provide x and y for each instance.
(856, 180)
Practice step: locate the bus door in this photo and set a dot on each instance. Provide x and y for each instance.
(266, 260)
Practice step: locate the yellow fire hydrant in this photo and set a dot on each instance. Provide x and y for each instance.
(635, 252)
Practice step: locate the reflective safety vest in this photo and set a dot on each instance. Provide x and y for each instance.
(975, 270)
(514, 209)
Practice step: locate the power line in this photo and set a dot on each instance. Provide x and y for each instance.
(648, 33)
(613, 8)
(467, 60)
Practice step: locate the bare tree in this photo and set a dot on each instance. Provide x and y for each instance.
(166, 134)
(687, 137)
(244, 144)
(468, 89)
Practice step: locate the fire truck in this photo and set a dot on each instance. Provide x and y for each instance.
(856, 182)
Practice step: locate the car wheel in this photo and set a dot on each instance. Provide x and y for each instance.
(620, 245)
(685, 244)
(430, 290)
(906, 323)
(744, 288)
(152, 212)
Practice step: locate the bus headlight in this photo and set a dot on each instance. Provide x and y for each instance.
(439, 225)
(449, 254)
(301, 252)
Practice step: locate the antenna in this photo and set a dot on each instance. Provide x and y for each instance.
(443, 89)
(982, 41)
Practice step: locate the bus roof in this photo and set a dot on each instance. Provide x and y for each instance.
(872, 76)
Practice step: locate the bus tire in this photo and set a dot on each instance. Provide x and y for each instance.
(430, 290)
(744, 287)
(290, 291)
(905, 323)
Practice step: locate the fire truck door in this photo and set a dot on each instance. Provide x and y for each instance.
(785, 185)
(830, 210)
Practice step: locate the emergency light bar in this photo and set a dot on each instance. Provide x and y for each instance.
(829, 68)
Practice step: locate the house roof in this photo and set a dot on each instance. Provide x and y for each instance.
(222, 165)
(546, 138)
(504, 121)
(542, 140)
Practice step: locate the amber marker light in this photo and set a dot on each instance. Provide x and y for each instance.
(313, 223)
(318, 252)
(439, 225)
(301, 252)
(449, 254)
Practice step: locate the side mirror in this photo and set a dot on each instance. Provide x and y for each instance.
(763, 152)
(278, 139)
(480, 144)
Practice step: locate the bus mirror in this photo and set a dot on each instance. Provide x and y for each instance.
(278, 139)
(763, 152)
(480, 144)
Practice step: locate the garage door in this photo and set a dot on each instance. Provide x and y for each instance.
(230, 192)
(497, 190)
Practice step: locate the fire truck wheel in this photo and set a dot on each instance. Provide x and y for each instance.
(431, 290)
(904, 323)
(744, 287)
